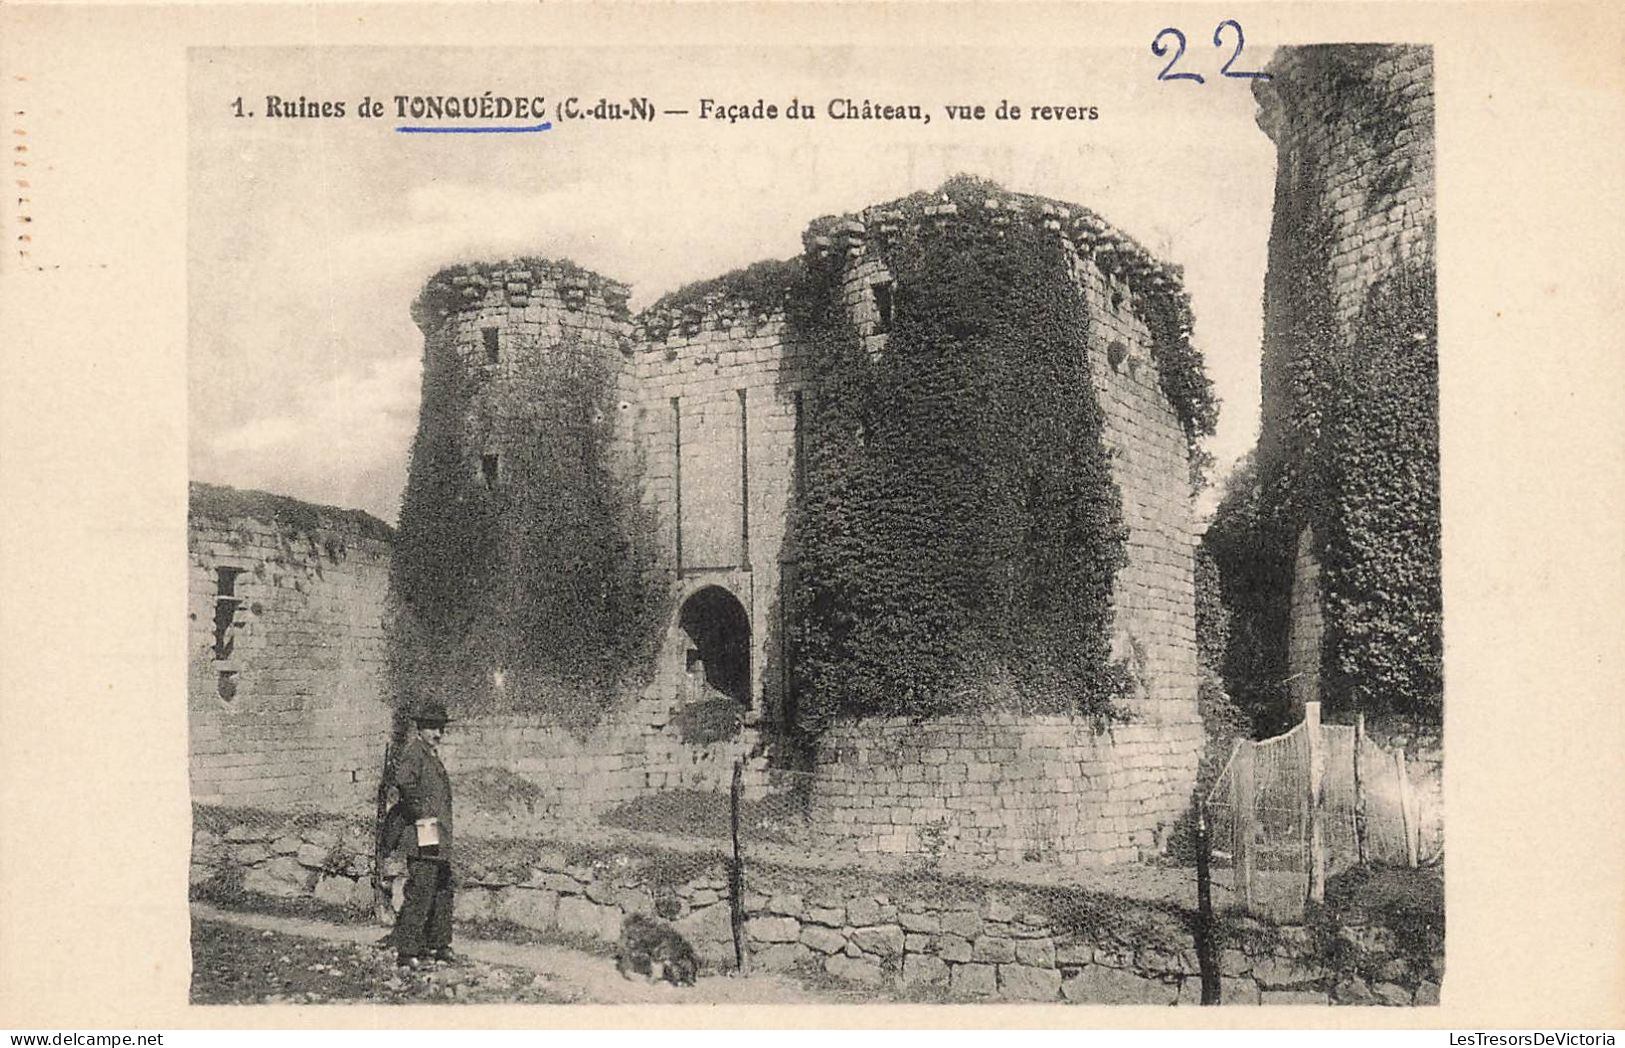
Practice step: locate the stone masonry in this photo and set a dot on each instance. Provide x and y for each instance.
(284, 650)
(710, 402)
(1378, 194)
(929, 935)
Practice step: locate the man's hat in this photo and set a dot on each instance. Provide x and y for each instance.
(433, 713)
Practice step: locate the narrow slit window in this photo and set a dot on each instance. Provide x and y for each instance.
(882, 291)
(490, 467)
(677, 478)
(493, 345)
(226, 605)
(744, 481)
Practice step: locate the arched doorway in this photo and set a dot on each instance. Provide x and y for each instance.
(718, 650)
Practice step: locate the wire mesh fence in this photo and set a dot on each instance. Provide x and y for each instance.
(752, 879)
(1289, 811)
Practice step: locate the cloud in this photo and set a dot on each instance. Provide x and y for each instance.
(345, 444)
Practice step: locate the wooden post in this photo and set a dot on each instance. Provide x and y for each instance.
(1246, 819)
(1407, 815)
(383, 910)
(1317, 821)
(1359, 792)
(736, 873)
(1206, 960)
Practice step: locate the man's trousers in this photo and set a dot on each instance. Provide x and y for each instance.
(425, 921)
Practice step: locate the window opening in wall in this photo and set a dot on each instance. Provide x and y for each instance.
(744, 482)
(717, 659)
(493, 349)
(882, 292)
(677, 478)
(226, 606)
(489, 470)
(226, 685)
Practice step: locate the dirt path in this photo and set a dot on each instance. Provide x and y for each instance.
(583, 977)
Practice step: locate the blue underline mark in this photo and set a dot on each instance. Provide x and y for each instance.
(543, 126)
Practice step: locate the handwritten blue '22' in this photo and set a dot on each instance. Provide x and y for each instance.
(1159, 49)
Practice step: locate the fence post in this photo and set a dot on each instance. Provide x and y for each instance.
(1317, 821)
(382, 906)
(1246, 817)
(1206, 962)
(736, 873)
(1359, 791)
(1407, 817)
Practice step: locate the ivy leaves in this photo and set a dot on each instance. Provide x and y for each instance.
(539, 588)
(959, 529)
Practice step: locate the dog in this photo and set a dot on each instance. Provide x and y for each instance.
(655, 950)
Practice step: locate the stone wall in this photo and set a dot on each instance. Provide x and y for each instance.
(712, 398)
(1004, 787)
(937, 936)
(285, 650)
(718, 398)
(1353, 125)
(531, 770)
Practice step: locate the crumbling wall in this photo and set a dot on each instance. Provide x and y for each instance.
(1016, 787)
(718, 380)
(711, 382)
(1354, 233)
(285, 650)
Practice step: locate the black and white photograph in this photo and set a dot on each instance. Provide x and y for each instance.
(783, 515)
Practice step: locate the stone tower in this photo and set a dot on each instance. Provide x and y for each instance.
(710, 383)
(1349, 432)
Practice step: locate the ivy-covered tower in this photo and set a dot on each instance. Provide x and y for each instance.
(528, 573)
(996, 548)
(909, 514)
(1348, 458)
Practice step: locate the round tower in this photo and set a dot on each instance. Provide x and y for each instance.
(507, 323)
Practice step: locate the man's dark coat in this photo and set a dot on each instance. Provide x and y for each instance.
(425, 793)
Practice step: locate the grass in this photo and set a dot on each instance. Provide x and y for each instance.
(232, 964)
(705, 815)
(1408, 903)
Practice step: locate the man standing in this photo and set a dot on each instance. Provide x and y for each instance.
(423, 929)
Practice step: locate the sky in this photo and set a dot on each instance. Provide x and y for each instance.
(309, 238)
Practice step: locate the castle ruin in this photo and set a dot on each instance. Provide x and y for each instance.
(710, 402)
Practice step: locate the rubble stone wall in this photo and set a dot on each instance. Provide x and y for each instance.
(1354, 129)
(285, 650)
(998, 937)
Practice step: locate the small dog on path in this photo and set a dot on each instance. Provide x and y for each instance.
(656, 951)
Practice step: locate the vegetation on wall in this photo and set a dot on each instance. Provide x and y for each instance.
(959, 530)
(1182, 375)
(764, 286)
(1253, 576)
(1223, 720)
(1380, 551)
(540, 588)
(220, 503)
(1348, 445)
